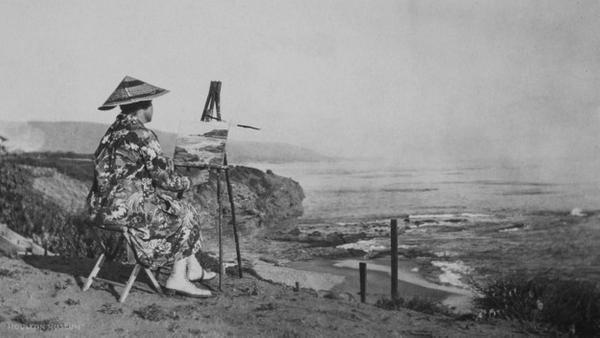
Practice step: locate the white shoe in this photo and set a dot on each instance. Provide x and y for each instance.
(203, 275)
(185, 288)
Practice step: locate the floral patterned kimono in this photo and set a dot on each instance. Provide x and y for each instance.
(130, 171)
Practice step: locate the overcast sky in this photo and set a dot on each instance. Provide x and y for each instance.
(400, 79)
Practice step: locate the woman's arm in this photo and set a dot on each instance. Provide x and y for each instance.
(159, 166)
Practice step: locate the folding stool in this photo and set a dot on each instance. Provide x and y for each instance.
(130, 259)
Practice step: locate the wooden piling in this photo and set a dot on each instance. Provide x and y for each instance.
(394, 257)
(297, 287)
(363, 281)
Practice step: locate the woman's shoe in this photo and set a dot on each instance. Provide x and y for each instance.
(186, 289)
(205, 275)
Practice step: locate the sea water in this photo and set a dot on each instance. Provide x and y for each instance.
(365, 189)
(349, 191)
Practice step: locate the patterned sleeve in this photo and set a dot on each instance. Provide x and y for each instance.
(160, 167)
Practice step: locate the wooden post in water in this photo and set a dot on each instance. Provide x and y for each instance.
(363, 281)
(394, 256)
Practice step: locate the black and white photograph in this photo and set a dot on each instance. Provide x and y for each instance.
(300, 168)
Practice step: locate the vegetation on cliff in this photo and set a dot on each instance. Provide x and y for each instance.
(42, 196)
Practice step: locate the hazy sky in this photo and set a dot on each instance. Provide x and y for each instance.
(400, 79)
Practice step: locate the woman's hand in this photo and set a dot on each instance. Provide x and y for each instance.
(198, 176)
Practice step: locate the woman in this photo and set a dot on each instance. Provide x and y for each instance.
(130, 172)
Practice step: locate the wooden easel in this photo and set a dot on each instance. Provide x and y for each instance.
(213, 100)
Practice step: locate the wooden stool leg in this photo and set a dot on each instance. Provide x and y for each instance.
(132, 277)
(153, 280)
(94, 272)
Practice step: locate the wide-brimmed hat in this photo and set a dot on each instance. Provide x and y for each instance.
(132, 90)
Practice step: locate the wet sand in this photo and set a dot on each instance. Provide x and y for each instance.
(410, 284)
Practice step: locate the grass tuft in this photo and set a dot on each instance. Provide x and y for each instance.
(155, 313)
(419, 304)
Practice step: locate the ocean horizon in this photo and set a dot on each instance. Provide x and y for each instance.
(358, 190)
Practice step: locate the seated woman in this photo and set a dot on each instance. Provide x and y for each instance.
(131, 180)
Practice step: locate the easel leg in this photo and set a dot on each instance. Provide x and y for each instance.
(235, 233)
(220, 226)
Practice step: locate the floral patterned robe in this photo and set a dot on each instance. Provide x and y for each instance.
(130, 175)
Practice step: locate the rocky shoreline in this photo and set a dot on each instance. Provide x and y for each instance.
(458, 252)
(344, 244)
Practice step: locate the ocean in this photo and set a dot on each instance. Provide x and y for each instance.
(348, 192)
(358, 190)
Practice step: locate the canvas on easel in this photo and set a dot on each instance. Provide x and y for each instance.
(201, 144)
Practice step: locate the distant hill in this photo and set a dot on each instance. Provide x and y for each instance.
(244, 152)
(83, 137)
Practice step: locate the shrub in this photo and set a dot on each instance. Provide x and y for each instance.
(420, 304)
(567, 305)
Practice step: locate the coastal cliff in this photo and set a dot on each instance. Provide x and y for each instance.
(260, 199)
(42, 196)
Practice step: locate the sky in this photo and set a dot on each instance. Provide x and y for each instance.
(401, 80)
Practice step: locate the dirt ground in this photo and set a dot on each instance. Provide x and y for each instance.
(42, 296)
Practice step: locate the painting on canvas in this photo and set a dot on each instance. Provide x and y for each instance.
(200, 144)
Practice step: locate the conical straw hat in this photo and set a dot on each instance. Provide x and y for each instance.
(132, 90)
